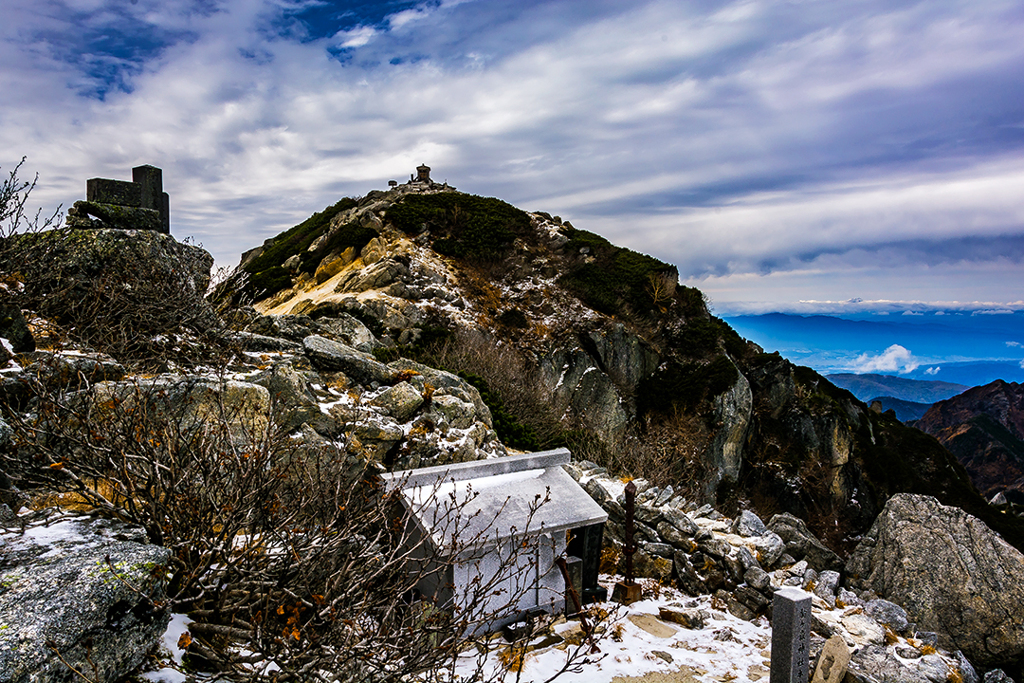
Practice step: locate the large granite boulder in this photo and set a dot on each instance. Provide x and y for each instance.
(952, 574)
(61, 600)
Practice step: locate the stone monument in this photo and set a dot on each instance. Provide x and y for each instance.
(791, 635)
(137, 205)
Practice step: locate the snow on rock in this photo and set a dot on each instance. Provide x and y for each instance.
(59, 592)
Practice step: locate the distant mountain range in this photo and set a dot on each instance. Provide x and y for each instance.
(962, 348)
(984, 428)
(869, 387)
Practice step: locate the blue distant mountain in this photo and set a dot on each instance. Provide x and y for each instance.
(871, 386)
(962, 348)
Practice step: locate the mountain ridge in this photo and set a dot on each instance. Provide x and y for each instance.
(624, 364)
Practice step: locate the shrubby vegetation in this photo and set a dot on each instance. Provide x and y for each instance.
(617, 280)
(462, 225)
(289, 557)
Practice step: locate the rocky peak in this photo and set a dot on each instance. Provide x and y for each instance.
(984, 428)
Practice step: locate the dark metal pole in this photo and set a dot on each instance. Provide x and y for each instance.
(630, 546)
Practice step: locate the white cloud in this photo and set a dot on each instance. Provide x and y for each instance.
(1014, 344)
(932, 370)
(768, 150)
(893, 359)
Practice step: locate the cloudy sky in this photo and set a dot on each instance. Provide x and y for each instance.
(783, 154)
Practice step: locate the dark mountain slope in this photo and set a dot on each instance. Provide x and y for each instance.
(984, 428)
(598, 347)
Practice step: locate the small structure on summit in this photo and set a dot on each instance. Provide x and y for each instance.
(137, 205)
(504, 522)
(423, 174)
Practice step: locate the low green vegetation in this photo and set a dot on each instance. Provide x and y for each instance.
(616, 280)
(685, 386)
(297, 239)
(463, 225)
(267, 276)
(511, 431)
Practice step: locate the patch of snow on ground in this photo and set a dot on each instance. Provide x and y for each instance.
(727, 648)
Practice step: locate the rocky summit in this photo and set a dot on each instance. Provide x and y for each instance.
(615, 355)
(237, 441)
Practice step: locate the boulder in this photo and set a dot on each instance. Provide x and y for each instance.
(56, 588)
(952, 574)
(329, 355)
(14, 328)
(400, 401)
(190, 403)
(748, 524)
(292, 403)
(888, 613)
(453, 385)
(802, 544)
(878, 663)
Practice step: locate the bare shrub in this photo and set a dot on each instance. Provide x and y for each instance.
(292, 560)
(509, 374)
(665, 450)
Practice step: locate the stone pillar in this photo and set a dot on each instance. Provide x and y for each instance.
(791, 635)
(150, 179)
(586, 544)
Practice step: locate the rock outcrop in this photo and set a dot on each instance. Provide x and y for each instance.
(618, 349)
(952, 574)
(63, 606)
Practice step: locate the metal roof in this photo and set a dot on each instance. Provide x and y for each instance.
(493, 498)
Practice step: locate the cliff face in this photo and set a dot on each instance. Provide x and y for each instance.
(984, 428)
(597, 347)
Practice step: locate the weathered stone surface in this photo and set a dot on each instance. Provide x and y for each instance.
(455, 413)
(950, 572)
(863, 629)
(733, 410)
(748, 524)
(582, 390)
(832, 662)
(689, 618)
(996, 676)
(672, 535)
(597, 490)
(14, 328)
(453, 385)
(400, 401)
(55, 586)
(292, 402)
(769, 548)
(801, 543)
(825, 586)
(888, 613)
(652, 566)
(680, 520)
(757, 578)
(627, 358)
(188, 402)
(325, 354)
(99, 215)
(877, 663)
(689, 580)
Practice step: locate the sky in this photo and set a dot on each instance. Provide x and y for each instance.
(803, 155)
